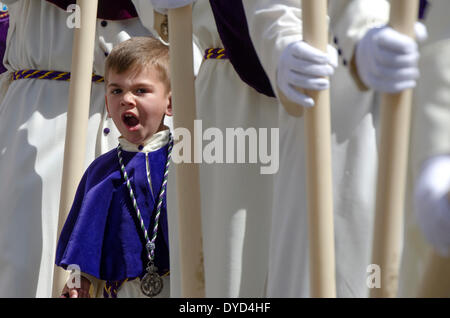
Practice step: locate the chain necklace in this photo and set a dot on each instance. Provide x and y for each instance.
(151, 283)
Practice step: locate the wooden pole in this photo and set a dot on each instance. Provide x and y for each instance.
(77, 118)
(290, 107)
(319, 169)
(393, 158)
(187, 174)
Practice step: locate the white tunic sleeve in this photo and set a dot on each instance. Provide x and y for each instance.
(275, 24)
(144, 9)
(351, 19)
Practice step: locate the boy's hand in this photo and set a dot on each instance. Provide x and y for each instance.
(82, 292)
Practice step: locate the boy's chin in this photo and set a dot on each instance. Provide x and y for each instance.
(136, 140)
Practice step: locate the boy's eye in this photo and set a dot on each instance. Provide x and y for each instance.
(141, 91)
(116, 91)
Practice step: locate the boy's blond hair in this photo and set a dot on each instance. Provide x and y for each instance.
(137, 53)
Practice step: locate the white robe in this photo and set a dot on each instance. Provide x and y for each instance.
(430, 135)
(32, 134)
(273, 25)
(236, 198)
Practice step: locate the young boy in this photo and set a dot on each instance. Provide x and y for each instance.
(116, 231)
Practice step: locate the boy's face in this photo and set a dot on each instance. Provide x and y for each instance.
(137, 102)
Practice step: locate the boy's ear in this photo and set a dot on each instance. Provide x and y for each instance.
(169, 106)
(107, 107)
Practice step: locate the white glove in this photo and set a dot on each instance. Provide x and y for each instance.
(161, 6)
(387, 60)
(304, 66)
(122, 36)
(108, 46)
(432, 203)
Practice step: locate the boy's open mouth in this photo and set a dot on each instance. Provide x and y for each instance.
(130, 119)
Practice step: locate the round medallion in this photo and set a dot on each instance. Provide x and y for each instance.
(151, 284)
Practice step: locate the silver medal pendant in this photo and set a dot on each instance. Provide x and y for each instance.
(151, 283)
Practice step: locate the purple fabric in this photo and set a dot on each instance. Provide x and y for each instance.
(4, 25)
(423, 6)
(102, 234)
(107, 9)
(233, 30)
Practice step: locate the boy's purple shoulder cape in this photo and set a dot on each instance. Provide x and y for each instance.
(102, 234)
(107, 9)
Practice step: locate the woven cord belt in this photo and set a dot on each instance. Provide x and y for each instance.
(50, 75)
(212, 53)
(215, 54)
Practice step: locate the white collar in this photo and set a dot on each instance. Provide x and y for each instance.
(157, 141)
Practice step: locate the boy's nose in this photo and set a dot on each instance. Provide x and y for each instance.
(127, 99)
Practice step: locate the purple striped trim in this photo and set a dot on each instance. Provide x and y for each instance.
(111, 289)
(215, 53)
(50, 75)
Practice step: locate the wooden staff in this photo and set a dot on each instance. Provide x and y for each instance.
(77, 118)
(393, 159)
(319, 170)
(290, 107)
(187, 174)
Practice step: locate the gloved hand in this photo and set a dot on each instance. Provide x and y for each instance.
(161, 6)
(304, 66)
(432, 203)
(387, 60)
(108, 46)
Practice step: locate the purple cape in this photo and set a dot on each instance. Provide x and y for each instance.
(233, 30)
(102, 234)
(423, 8)
(107, 9)
(4, 26)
